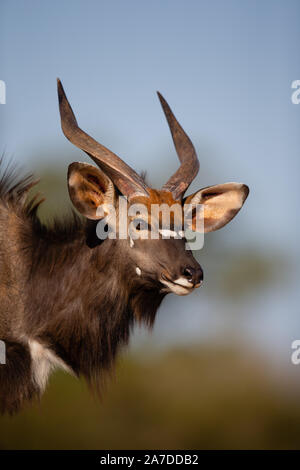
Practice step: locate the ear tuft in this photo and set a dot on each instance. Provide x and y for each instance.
(89, 188)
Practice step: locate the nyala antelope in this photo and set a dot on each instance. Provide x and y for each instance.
(69, 299)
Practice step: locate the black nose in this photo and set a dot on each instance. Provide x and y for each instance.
(193, 275)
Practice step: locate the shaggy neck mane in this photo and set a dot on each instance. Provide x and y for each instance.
(80, 301)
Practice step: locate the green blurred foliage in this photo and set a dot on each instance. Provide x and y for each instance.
(249, 272)
(183, 399)
(52, 186)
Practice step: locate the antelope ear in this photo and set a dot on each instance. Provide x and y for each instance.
(220, 204)
(90, 188)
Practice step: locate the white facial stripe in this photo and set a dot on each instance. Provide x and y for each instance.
(170, 233)
(138, 271)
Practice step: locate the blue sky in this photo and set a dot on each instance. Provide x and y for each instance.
(226, 68)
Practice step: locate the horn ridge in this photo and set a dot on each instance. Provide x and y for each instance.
(125, 178)
(182, 178)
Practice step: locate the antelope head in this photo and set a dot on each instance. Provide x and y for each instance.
(163, 259)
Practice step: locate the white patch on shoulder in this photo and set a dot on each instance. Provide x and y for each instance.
(43, 362)
(138, 271)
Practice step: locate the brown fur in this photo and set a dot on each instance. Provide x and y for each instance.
(54, 289)
(68, 297)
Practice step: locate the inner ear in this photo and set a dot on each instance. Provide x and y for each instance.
(89, 189)
(95, 180)
(220, 204)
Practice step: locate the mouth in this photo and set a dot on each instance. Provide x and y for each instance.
(180, 286)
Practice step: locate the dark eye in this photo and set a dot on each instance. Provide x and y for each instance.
(141, 224)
